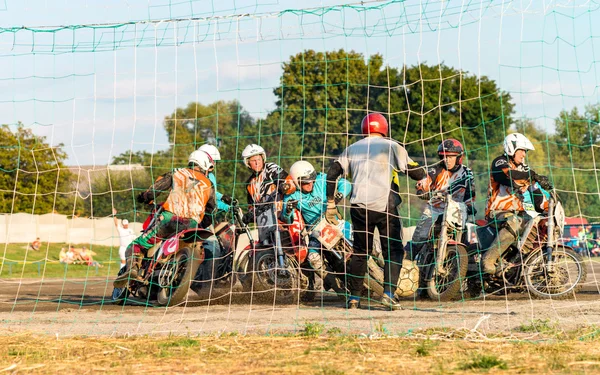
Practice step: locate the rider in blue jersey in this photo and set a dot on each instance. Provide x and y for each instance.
(310, 198)
(223, 200)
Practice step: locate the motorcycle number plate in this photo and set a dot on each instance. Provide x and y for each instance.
(170, 246)
(327, 234)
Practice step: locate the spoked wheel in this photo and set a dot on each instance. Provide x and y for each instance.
(560, 279)
(274, 282)
(447, 287)
(175, 277)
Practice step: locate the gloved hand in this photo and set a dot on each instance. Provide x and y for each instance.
(338, 197)
(226, 199)
(284, 188)
(471, 210)
(290, 206)
(423, 195)
(543, 181)
(248, 217)
(331, 215)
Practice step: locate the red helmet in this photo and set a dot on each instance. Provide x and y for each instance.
(451, 147)
(374, 123)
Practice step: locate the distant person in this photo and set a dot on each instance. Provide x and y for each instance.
(125, 236)
(63, 256)
(35, 245)
(88, 257)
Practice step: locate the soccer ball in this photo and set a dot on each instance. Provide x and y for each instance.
(408, 282)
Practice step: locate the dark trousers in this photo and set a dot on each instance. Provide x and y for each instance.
(364, 222)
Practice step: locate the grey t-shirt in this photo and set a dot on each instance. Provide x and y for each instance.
(371, 161)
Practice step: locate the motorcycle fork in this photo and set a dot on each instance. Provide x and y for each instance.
(441, 249)
(550, 242)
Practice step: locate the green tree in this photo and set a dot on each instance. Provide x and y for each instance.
(33, 176)
(322, 97)
(444, 102)
(573, 160)
(119, 189)
(226, 123)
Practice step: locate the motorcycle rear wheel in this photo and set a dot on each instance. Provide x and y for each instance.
(181, 271)
(562, 280)
(447, 287)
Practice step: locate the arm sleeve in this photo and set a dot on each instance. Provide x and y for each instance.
(403, 163)
(503, 175)
(540, 201)
(470, 190)
(163, 183)
(344, 186)
(209, 209)
(415, 171)
(334, 172)
(221, 206)
(284, 216)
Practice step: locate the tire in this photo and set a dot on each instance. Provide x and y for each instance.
(172, 290)
(562, 282)
(448, 287)
(267, 284)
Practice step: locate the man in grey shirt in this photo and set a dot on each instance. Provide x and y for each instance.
(371, 163)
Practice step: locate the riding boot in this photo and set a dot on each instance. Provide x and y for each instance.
(501, 243)
(132, 267)
(329, 279)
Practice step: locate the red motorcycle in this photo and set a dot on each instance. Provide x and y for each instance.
(167, 269)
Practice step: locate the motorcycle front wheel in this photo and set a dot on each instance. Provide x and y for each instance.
(175, 277)
(560, 279)
(270, 282)
(447, 287)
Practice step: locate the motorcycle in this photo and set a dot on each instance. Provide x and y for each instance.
(273, 266)
(443, 260)
(165, 273)
(536, 262)
(229, 252)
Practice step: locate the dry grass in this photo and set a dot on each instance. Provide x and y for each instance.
(315, 351)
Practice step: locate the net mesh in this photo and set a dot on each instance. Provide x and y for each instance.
(102, 99)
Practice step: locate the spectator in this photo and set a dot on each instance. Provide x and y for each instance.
(125, 236)
(35, 245)
(88, 256)
(63, 256)
(581, 239)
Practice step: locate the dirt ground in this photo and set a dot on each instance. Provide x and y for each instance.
(83, 307)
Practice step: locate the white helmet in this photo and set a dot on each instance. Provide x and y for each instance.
(253, 150)
(125, 222)
(516, 141)
(302, 171)
(212, 151)
(201, 159)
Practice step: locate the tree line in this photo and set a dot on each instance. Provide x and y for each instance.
(320, 101)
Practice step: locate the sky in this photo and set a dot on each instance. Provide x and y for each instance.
(106, 89)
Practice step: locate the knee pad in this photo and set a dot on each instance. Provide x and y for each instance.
(512, 224)
(315, 260)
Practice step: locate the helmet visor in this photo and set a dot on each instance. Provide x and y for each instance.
(308, 179)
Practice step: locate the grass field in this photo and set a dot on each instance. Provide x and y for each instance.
(20, 262)
(312, 351)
